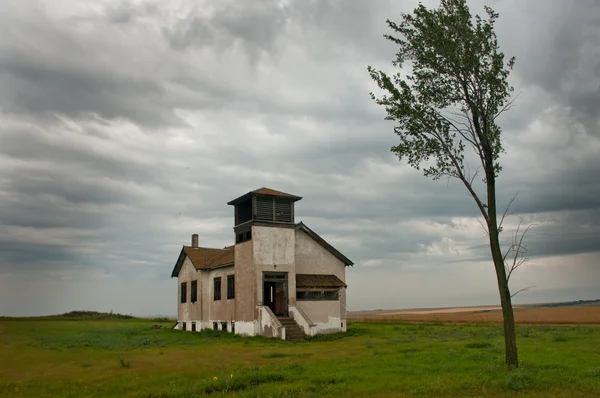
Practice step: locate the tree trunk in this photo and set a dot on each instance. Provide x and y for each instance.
(510, 336)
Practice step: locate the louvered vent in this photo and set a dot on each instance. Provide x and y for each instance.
(283, 211)
(264, 209)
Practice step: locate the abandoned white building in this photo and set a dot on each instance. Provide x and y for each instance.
(279, 279)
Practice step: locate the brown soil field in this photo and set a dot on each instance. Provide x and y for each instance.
(588, 314)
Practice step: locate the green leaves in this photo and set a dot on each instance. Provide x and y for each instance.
(455, 91)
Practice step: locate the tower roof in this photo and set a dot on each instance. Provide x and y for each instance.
(264, 192)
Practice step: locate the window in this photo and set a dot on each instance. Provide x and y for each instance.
(183, 326)
(224, 326)
(230, 286)
(278, 210)
(217, 289)
(194, 291)
(193, 326)
(183, 292)
(243, 236)
(232, 327)
(215, 326)
(317, 295)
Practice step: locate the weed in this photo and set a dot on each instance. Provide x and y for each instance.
(517, 380)
(479, 344)
(559, 338)
(594, 372)
(124, 363)
(277, 355)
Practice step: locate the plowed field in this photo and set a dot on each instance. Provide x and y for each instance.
(588, 314)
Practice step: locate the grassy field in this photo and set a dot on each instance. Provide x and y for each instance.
(126, 357)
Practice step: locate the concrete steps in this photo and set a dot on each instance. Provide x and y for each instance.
(292, 330)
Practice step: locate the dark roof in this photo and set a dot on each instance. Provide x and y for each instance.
(322, 242)
(204, 258)
(264, 192)
(309, 280)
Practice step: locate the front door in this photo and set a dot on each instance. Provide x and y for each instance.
(275, 294)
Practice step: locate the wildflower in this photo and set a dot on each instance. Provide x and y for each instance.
(231, 377)
(215, 378)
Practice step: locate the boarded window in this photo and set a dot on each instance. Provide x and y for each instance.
(230, 286)
(264, 209)
(283, 210)
(269, 209)
(317, 295)
(183, 292)
(217, 289)
(194, 291)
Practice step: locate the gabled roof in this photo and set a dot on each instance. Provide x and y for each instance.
(204, 258)
(265, 192)
(313, 280)
(301, 226)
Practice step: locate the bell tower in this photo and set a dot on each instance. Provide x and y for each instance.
(262, 206)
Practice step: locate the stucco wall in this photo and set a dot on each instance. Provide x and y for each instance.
(274, 252)
(320, 311)
(312, 258)
(188, 311)
(245, 286)
(222, 310)
(269, 325)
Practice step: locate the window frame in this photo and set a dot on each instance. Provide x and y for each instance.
(183, 293)
(217, 292)
(231, 287)
(193, 291)
(316, 294)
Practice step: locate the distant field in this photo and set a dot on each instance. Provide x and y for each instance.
(112, 357)
(570, 313)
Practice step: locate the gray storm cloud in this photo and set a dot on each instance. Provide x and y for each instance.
(126, 127)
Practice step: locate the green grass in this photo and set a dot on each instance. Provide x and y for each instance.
(105, 356)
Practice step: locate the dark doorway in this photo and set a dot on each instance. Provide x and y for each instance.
(275, 294)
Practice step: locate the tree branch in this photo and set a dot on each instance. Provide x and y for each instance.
(518, 249)
(507, 106)
(521, 290)
(506, 211)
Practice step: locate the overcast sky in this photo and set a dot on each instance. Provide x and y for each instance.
(126, 126)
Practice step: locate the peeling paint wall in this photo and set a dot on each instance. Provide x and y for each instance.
(188, 310)
(222, 310)
(312, 258)
(274, 252)
(245, 285)
(269, 325)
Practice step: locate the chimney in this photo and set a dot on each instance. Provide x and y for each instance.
(195, 240)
